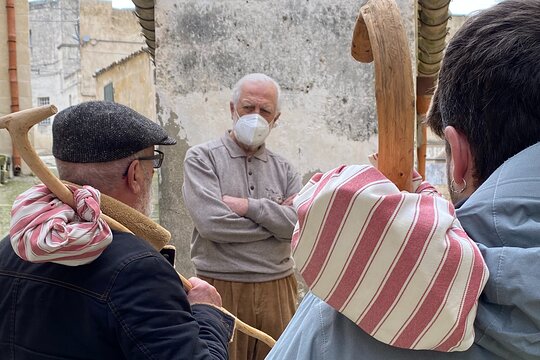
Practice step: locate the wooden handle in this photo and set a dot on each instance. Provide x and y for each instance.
(240, 325)
(379, 36)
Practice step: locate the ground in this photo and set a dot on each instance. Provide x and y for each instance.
(8, 193)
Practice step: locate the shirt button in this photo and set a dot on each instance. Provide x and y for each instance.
(250, 173)
(252, 187)
(249, 160)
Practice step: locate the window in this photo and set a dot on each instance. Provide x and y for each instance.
(40, 102)
(108, 92)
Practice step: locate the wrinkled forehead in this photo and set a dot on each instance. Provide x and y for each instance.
(263, 92)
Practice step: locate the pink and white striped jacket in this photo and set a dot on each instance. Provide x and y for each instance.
(397, 264)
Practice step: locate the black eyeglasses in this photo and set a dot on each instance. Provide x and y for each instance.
(157, 160)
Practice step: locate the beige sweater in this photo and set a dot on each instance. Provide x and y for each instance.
(225, 246)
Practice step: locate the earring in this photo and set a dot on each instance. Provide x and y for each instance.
(453, 187)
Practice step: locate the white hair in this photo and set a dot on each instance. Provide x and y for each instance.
(255, 77)
(104, 176)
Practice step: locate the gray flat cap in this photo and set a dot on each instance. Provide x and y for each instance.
(100, 131)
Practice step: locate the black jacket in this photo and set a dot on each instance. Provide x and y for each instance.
(127, 304)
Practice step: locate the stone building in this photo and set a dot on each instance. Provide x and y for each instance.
(129, 81)
(70, 40)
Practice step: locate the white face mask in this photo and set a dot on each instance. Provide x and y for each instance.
(251, 130)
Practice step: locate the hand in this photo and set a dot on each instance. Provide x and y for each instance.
(289, 201)
(237, 205)
(374, 159)
(203, 293)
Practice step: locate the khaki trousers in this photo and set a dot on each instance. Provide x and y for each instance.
(267, 306)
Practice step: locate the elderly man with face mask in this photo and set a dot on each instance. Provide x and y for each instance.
(239, 195)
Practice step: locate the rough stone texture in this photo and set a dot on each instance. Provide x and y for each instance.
(204, 47)
(23, 69)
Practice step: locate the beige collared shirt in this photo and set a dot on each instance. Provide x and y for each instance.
(226, 246)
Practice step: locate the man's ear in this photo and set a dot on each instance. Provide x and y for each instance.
(276, 119)
(460, 152)
(135, 177)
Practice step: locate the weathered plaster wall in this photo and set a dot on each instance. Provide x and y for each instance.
(133, 83)
(328, 109)
(23, 68)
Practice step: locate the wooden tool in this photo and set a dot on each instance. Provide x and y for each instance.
(379, 36)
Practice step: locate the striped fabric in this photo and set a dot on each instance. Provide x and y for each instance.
(397, 264)
(44, 229)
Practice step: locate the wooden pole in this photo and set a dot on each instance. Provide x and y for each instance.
(379, 36)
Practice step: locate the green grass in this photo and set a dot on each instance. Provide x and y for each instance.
(8, 192)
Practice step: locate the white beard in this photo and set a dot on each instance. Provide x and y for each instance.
(145, 204)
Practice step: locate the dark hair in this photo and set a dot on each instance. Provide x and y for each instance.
(489, 84)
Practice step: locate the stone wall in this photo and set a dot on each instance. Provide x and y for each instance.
(328, 113)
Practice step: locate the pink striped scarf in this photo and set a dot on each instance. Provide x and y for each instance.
(397, 264)
(44, 229)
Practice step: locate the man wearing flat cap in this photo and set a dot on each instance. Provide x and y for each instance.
(72, 288)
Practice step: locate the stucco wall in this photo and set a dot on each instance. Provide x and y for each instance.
(328, 113)
(133, 83)
(23, 68)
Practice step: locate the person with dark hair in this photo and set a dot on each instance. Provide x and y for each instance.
(487, 108)
(71, 287)
(239, 194)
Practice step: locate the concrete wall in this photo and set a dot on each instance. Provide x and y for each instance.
(133, 83)
(328, 114)
(107, 35)
(23, 68)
